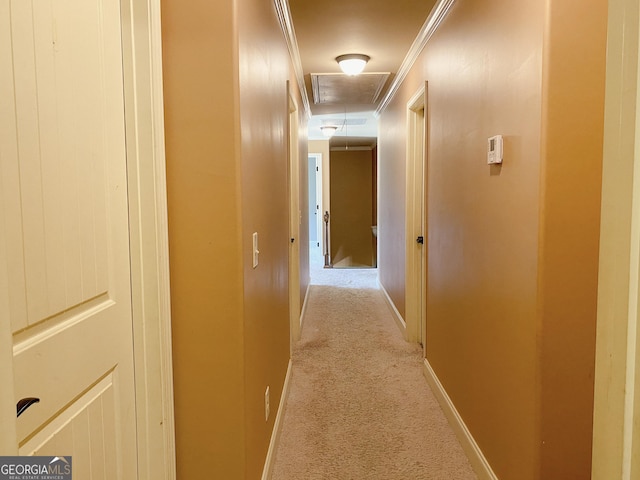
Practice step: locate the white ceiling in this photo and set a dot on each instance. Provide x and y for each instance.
(360, 128)
(383, 29)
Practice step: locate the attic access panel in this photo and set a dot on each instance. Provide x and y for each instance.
(338, 88)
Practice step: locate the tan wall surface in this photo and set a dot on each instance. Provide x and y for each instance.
(511, 285)
(351, 237)
(264, 112)
(484, 74)
(391, 198)
(203, 184)
(573, 123)
(226, 68)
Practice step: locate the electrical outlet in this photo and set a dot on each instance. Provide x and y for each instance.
(266, 405)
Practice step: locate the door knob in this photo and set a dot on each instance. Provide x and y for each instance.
(26, 403)
(420, 240)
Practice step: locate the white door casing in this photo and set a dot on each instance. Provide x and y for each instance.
(416, 253)
(616, 420)
(294, 221)
(320, 213)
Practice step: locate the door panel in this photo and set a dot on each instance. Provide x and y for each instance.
(85, 428)
(64, 220)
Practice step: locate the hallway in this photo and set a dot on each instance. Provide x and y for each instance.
(359, 405)
(512, 249)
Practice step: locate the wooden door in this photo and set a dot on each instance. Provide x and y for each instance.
(64, 239)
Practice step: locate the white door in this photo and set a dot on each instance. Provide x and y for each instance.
(64, 251)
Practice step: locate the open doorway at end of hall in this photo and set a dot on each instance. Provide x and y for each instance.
(316, 229)
(352, 226)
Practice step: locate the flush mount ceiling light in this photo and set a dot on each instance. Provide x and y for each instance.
(352, 63)
(328, 130)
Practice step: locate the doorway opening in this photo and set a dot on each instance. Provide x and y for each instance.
(354, 198)
(316, 228)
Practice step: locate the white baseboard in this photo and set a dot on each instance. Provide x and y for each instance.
(304, 306)
(277, 426)
(396, 314)
(476, 457)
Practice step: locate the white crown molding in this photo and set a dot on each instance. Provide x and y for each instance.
(437, 15)
(286, 24)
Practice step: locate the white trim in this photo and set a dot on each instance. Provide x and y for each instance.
(277, 426)
(293, 187)
(347, 148)
(394, 311)
(142, 59)
(162, 237)
(415, 218)
(304, 306)
(318, 200)
(289, 32)
(616, 438)
(437, 16)
(476, 457)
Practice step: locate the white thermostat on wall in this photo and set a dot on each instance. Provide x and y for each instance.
(494, 149)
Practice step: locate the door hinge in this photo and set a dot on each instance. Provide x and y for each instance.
(420, 240)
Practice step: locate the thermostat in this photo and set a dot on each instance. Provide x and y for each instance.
(494, 149)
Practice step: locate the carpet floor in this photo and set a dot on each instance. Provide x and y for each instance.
(359, 406)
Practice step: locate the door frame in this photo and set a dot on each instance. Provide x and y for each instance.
(616, 429)
(319, 218)
(146, 167)
(293, 187)
(416, 218)
(151, 311)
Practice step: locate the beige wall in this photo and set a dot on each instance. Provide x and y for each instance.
(352, 209)
(225, 71)
(512, 249)
(391, 198)
(572, 143)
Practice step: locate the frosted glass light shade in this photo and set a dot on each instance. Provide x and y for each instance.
(328, 130)
(352, 63)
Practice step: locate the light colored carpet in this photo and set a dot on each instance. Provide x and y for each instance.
(359, 406)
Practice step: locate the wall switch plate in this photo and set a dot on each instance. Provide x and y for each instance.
(494, 149)
(256, 252)
(267, 409)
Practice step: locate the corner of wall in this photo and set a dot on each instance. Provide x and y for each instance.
(571, 180)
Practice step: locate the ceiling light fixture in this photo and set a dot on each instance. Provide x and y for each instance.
(328, 130)
(352, 63)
